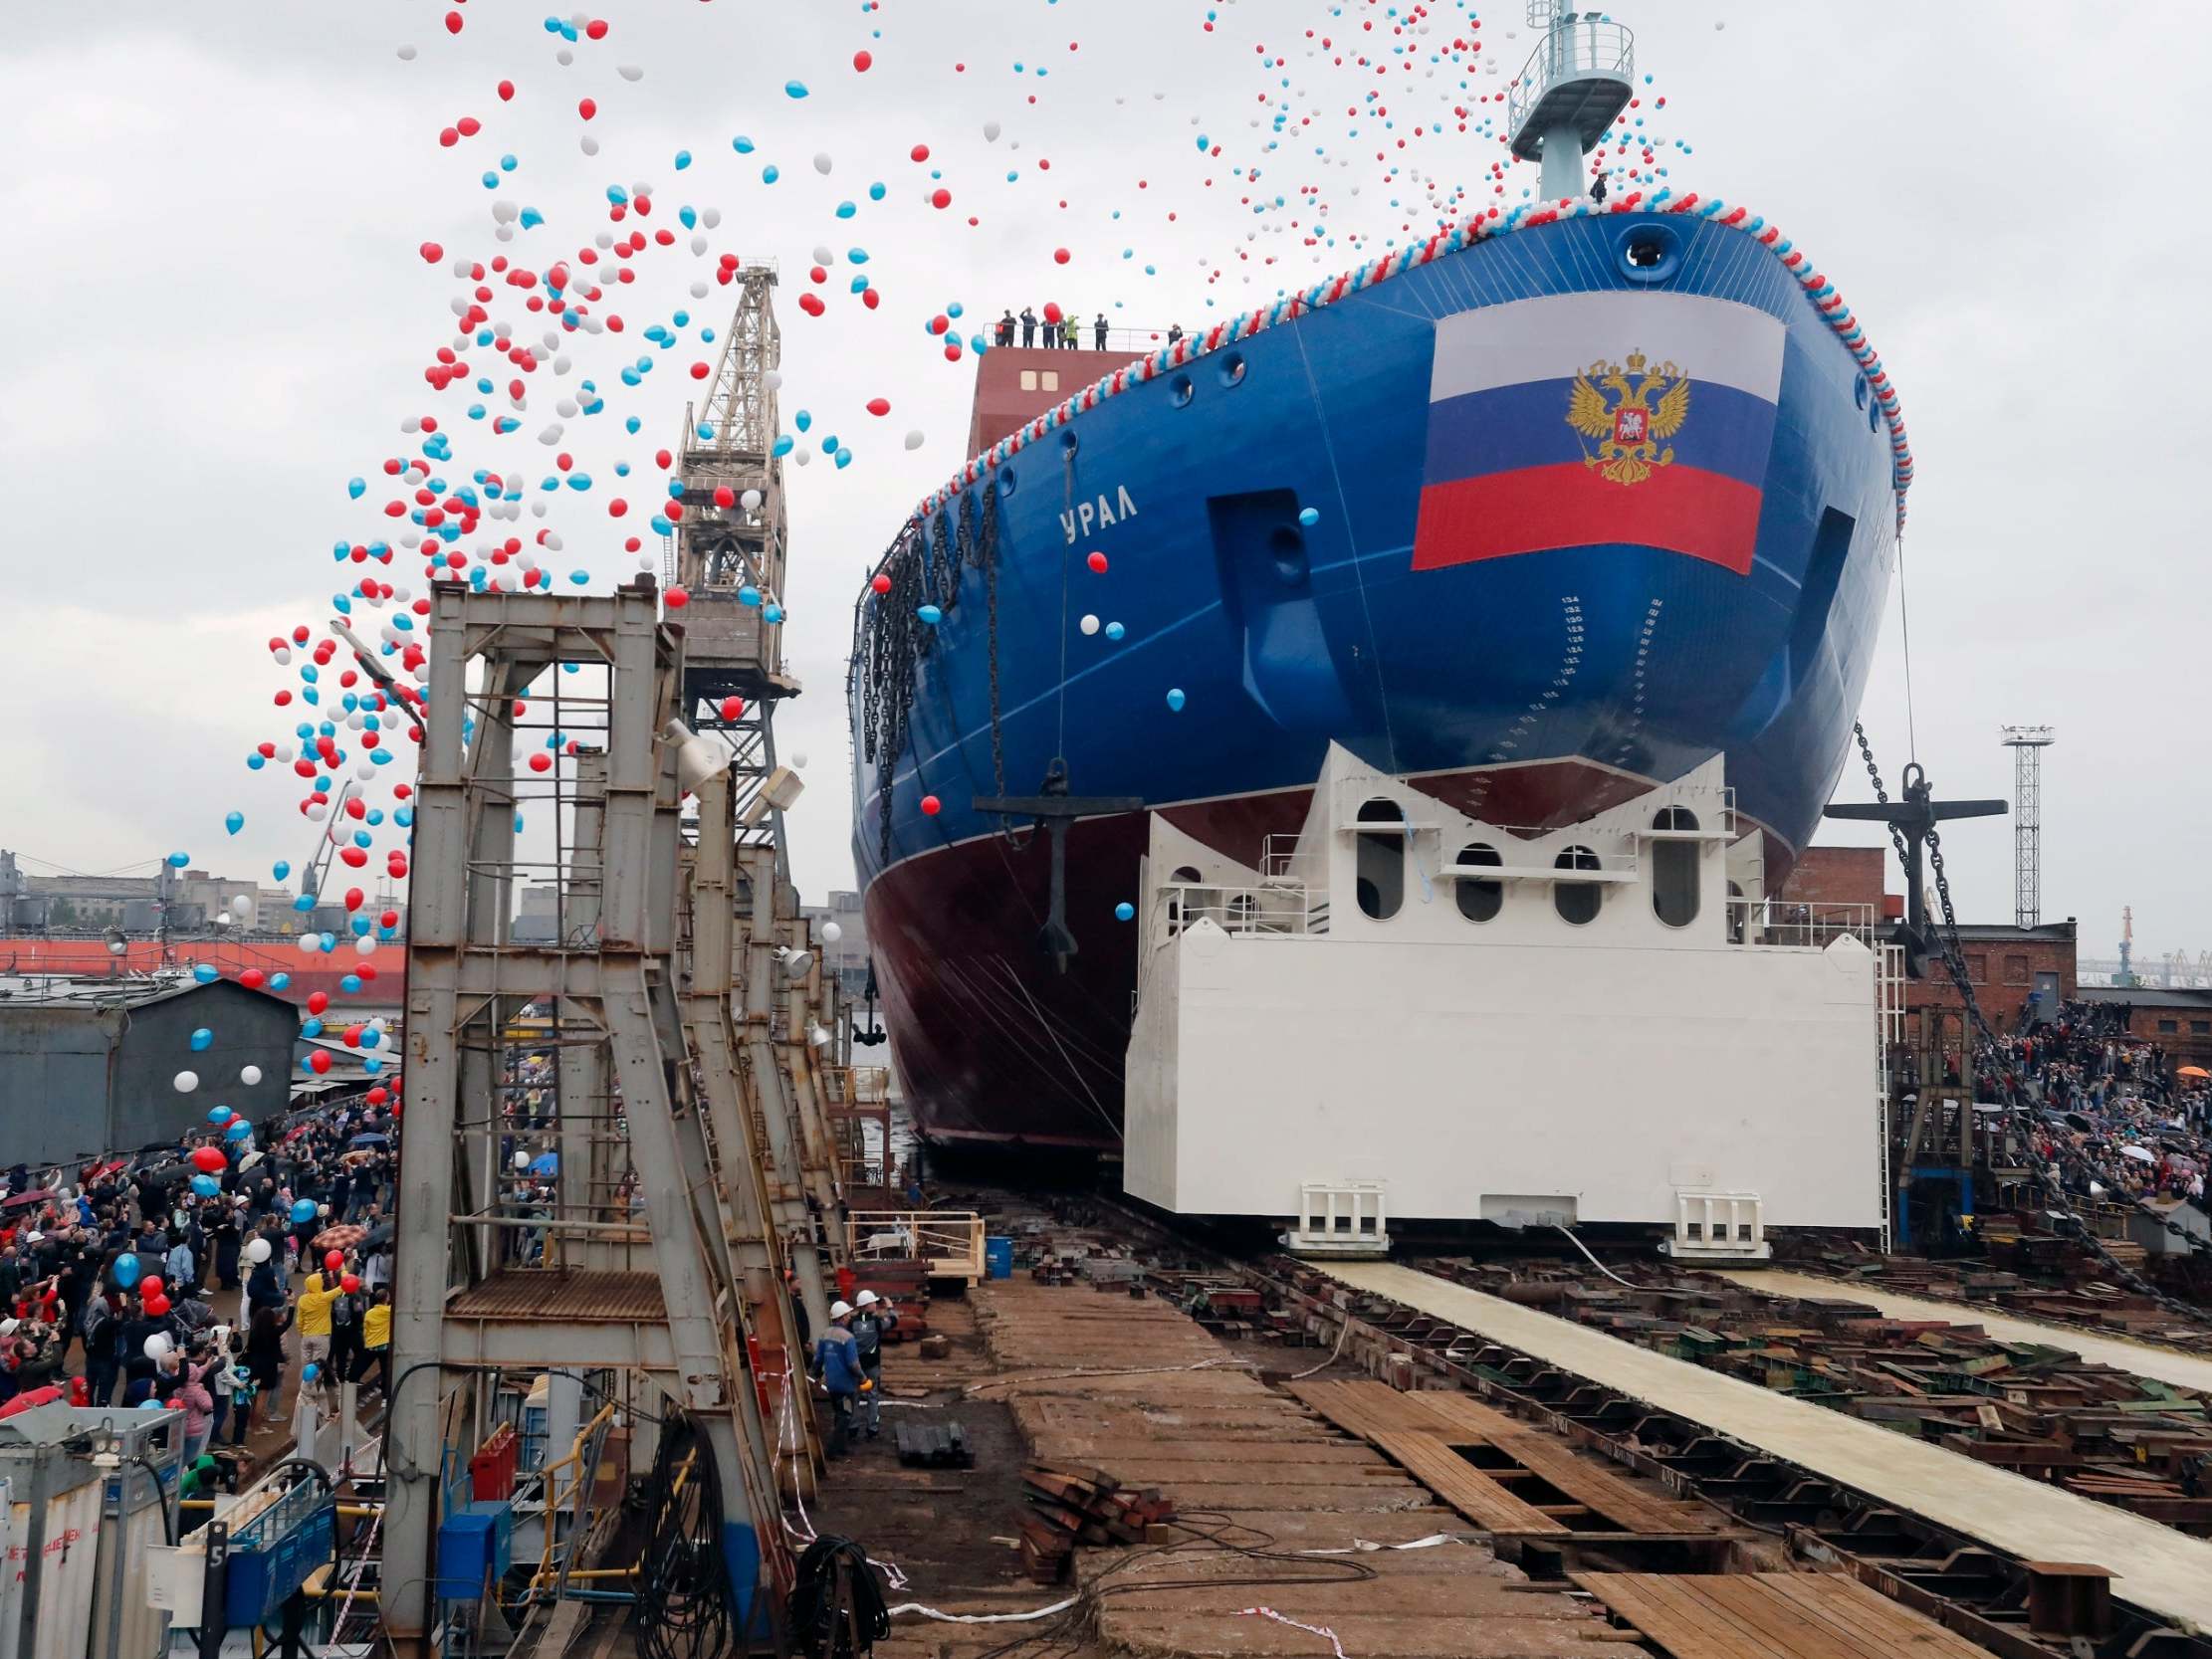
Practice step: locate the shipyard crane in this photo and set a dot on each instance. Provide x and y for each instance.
(727, 555)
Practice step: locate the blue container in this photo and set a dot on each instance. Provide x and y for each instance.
(998, 1257)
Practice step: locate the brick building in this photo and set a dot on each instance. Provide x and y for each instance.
(2179, 1021)
(2005, 964)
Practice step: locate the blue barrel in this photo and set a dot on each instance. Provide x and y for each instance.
(998, 1257)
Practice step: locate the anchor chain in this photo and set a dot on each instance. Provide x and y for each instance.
(1954, 964)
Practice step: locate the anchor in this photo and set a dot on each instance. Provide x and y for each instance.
(1913, 820)
(1054, 809)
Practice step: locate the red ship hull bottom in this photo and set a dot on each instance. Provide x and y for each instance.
(993, 1044)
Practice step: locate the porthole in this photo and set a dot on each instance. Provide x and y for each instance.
(1006, 481)
(1067, 440)
(1575, 902)
(1478, 900)
(1675, 873)
(1233, 370)
(1380, 862)
(1184, 391)
(1649, 253)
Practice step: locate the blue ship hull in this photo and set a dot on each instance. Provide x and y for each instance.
(1527, 688)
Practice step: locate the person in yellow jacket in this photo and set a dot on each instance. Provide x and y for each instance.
(314, 1309)
(376, 1342)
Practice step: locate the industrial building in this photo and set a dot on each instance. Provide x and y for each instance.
(90, 1064)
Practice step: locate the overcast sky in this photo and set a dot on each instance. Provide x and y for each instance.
(217, 314)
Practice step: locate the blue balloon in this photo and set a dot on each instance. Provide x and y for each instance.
(124, 1273)
(239, 1130)
(218, 1114)
(1309, 516)
(205, 974)
(202, 1039)
(1115, 630)
(356, 488)
(350, 984)
(303, 1209)
(1125, 912)
(311, 1370)
(795, 88)
(178, 861)
(278, 981)
(280, 869)
(931, 614)
(1175, 698)
(206, 1186)
(234, 821)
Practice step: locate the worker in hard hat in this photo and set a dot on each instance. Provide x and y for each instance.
(872, 1318)
(836, 1367)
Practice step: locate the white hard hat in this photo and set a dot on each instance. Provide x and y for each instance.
(867, 1299)
(838, 1309)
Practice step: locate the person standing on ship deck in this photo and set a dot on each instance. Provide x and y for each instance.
(1006, 328)
(1029, 327)
(1098, 331)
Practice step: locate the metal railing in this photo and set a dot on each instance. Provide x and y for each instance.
(1243, 911)
(950, 1242)
(1800, 926)
(1591, 47)
(1123, 341)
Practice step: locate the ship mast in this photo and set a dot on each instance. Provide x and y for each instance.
(1579, 78)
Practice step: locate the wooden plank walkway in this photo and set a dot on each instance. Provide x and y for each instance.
(1419, 1430)
(2154, 1567)
(1771, 1615)
(1139, 1390)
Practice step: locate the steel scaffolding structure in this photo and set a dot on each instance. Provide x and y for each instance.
(2026, 743)
(694, 1168)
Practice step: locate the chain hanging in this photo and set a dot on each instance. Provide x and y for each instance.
(1954, 964)
(890, 639)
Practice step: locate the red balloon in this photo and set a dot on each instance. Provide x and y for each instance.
(861, 60)
(157, 1305)
(930, 806)
(879, 406)
(810, 303)
(353, 898)
(209, 1159)
(253, 978)
(316, 1002)
(725, 495)
(920, 153)
(881, 583)
(350, 1284)
(334, 1258)
(318, 1062)
(941, 197)
(542, 762)
(1097, 562)
(661, 458)
(1060, 256)
(1052, 312)
(676, 598)
(596, 29)
(506, 91)
(700, 371)
(150, 1285)
(431, 253)
(453, 23)
(378, 1096)
(587, 107)
(732, 708)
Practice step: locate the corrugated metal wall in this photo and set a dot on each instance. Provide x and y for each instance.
(74, 1082)
(250, 1030)
(54, 1083)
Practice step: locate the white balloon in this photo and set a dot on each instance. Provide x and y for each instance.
(773, 379)
(565, 57)
(257, 1250)
(631, 72)
(588, 145)
(913, 439)
(990, 132)
(749, 499)
(1089, 624)
(831, 932)
(310, 943)
(822, 162)
(249, 1075)
(406, 54)
(798, 761)
(187, 1082)
(522, 1159)
(157, 1345)
(803, 457)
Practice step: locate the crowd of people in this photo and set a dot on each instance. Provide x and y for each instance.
(1051, 331)
(206, 1276)
(2113, 1118)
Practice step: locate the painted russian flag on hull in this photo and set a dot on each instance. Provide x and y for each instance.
(1580, 420)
